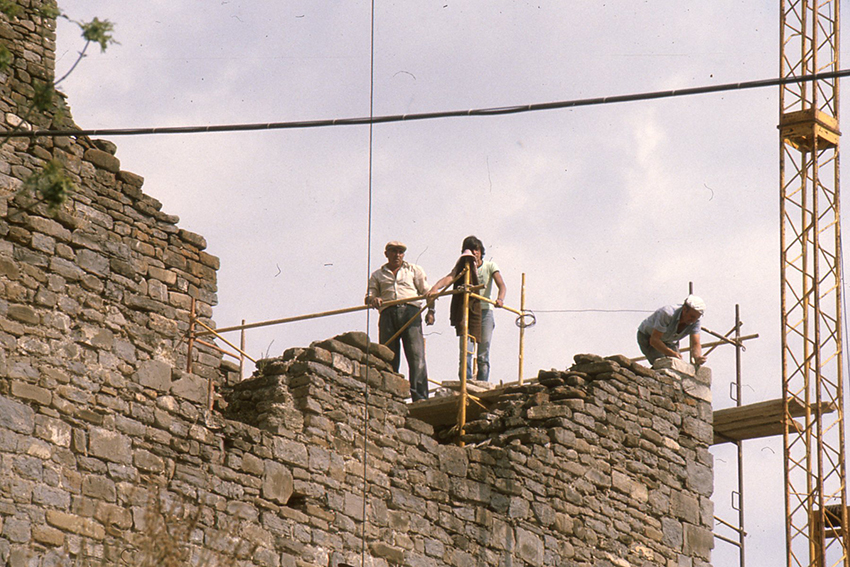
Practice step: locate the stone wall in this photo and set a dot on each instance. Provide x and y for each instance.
(606, 463)
(108, 454)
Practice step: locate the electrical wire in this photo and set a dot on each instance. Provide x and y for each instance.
(496, 111)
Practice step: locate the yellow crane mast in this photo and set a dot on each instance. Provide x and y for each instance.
(810, 240)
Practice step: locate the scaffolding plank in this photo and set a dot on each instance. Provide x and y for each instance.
(441, 411)
(754, 421)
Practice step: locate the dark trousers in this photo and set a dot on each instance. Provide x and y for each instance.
(392, 319)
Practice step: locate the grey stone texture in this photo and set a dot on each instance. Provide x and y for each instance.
(105, 435)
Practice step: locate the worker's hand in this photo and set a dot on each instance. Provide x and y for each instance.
(375, 302)
(432, 293)
(700, 360)
(429, 318)
(500, 303)
(676, 355)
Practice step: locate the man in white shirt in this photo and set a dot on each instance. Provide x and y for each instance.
(393, 281)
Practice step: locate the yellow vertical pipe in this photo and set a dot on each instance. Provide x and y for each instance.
(464, 348)
(191, 341)
(522, 328)
(242, 353)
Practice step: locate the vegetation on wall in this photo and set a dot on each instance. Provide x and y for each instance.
(50, 184)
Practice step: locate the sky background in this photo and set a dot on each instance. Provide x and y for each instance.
(610, 211)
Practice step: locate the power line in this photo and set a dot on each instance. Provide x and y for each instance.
(495, 111)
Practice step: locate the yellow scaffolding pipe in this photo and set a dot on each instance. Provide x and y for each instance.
(521, 330)
(464, 353)
(466, 289)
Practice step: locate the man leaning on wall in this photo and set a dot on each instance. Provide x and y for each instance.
(659, 334)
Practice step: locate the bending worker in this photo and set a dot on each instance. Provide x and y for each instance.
(659, 334)
(396, 280)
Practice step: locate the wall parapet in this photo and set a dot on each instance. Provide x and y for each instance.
(604, 462)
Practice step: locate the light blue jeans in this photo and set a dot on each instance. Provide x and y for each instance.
(488, 323)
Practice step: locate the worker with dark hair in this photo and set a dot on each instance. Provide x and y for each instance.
(659, 334)
(486, 274)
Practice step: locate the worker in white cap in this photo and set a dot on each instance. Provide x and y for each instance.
(659, 334)
(398, 280)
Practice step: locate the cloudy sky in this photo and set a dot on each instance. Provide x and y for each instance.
(610, 211)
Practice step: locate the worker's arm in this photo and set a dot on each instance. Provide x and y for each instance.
(373, 293)
(656, 343)
(503, 289)
(441, 283)
(696, 349)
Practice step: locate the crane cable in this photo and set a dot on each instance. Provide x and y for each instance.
(368, 273)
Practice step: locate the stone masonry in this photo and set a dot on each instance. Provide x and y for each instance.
(606, 463)
(110, 455)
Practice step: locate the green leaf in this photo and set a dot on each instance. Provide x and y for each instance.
(98, 31)
(10, 8)
(6, 58)
(43, 98)
(51, 183)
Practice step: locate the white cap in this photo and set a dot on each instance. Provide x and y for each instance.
(695, 303)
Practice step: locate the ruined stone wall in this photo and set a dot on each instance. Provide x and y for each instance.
(109, 456)
(606, 463)
(94, 308)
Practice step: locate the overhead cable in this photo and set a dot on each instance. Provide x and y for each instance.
(496, 111)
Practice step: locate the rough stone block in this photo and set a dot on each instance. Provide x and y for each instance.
(396, 384)
(148, 462)
(453, 460)
(698, 541)
(529, 547)
(393, 555)
(53, 431)
(76, 524)
(685, 506)
(16, 416)
(110, 446)
(24, 314)
(697, 390)
(131, 179)
(31, 392)
(48, 536)
(93, 262)
(548, 411)
(99, 487)
(191, 387)
(703, 375)
(674, 364)
(155, 374)
(252, 464)
(193, 239)
(103, 160)
(700, 478)
(277, 483)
